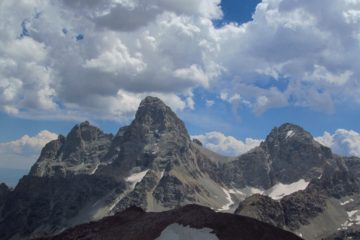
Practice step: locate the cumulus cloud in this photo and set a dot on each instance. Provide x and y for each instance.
(23, 152)
(309, 44)
(343, 142)
(70, 59)
(227, 145)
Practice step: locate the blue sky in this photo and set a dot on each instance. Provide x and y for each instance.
(238, 11)
(237, 68)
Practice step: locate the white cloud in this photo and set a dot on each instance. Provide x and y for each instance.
(193, 73)
(116, 60)
(72, 58)
(23, 152)
(227, 145)
(209, 103)
(289, 39)
(231, 99)
(322, 74)
(77, 67)
(343, 142)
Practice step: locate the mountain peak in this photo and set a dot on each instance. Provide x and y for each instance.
(294, 153)
(152, 107)
(153, 114)
(290, 126)
(156, 137)
(152, 101)
(288, 131)
(84, 132)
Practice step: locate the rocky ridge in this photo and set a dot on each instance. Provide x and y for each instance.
(137, 224)
(154, 164)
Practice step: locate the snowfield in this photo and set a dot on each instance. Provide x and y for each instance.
(136, 178)
(281, 190)
(277, 192)
(179, 232)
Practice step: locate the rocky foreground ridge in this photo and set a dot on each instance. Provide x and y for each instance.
(155, 165)
(191, 222)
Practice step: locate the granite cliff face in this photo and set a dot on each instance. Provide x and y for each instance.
(154, 164)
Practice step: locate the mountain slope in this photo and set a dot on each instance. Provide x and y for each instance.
(329, 203)
(42, 205)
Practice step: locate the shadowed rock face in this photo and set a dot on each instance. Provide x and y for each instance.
(156, 138)
(39, 204)
(294, 154)
(79, 153)
(288, 154)
(4, 193)
(135, 224)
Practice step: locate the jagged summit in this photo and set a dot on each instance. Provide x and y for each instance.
(288, 131)
(80, 152)
(294, 153)
(152, 101)
(85, 132)
(156, 138)
(154, 115)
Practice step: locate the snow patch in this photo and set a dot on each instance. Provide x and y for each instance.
(277, 192)
(176, 231)
(96, 168)
(133, 179)
(136, 178)
(346, 202)
(281, 190)
(240, 194)
(227, 206)
(117, 200)
(352, 213)
(289, 134)
(162, 174)
(246, 192)
(354, 219)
